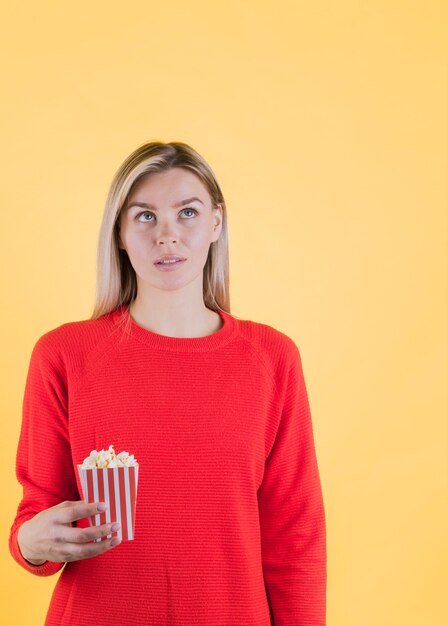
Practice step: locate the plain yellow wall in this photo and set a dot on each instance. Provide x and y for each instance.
(325, 125)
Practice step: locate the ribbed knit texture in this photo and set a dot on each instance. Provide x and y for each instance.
(230, 521)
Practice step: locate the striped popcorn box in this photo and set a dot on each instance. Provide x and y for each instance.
(117, 486)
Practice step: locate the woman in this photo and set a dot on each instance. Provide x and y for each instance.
(230, 522)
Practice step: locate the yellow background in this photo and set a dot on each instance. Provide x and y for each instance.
(325, 125)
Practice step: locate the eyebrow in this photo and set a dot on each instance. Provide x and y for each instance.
(145, 205)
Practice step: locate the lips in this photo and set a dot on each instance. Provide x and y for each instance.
(170, 267)
(169, 257)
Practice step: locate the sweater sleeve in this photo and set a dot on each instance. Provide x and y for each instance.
(43, 461)
(291, 511)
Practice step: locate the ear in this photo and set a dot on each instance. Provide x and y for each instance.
(218, 220)
(120, 242)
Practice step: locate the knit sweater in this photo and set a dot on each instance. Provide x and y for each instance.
(230, 521)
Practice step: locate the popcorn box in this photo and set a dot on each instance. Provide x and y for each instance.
(117, 486)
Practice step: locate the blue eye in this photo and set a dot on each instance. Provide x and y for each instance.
(150, 213)
(190, 210)
(144, 213)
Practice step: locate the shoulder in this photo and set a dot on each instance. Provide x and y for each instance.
(266, 336)
(70, 333)
(277, 348)
(68, 344)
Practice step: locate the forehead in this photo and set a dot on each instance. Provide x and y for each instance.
(169, 186)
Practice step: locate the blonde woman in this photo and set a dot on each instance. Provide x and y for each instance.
(230, 522)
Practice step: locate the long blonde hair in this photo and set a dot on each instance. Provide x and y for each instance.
(116, 283)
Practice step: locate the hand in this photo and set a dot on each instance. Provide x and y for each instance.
(50, 535)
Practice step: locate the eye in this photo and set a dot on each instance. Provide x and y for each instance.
(144, 213)
(195, 212)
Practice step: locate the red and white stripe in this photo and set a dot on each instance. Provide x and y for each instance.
(118, 487)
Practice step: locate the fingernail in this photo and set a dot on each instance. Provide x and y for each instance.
(102, 506)
(115, 541)
(115, 527)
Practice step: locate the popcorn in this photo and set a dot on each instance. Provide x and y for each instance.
(114, 481)
(108, 458)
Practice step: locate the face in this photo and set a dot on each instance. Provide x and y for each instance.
(156, 221)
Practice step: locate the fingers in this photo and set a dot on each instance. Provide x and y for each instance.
(71, 543)
(68, 512)
(77, 551)
(82, 535)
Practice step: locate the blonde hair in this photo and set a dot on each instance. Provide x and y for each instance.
(116, 283)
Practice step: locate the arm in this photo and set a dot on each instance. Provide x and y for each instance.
(43, 461)
(291, 512)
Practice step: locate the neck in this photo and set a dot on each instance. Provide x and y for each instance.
(175, 320)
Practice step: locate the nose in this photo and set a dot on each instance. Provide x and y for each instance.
(166, 232)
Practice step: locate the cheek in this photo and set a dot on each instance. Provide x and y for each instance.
(200, 238)
(138, 241)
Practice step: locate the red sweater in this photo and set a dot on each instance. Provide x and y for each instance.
(230, 521)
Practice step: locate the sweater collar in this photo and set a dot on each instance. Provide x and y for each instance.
(123, 319)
